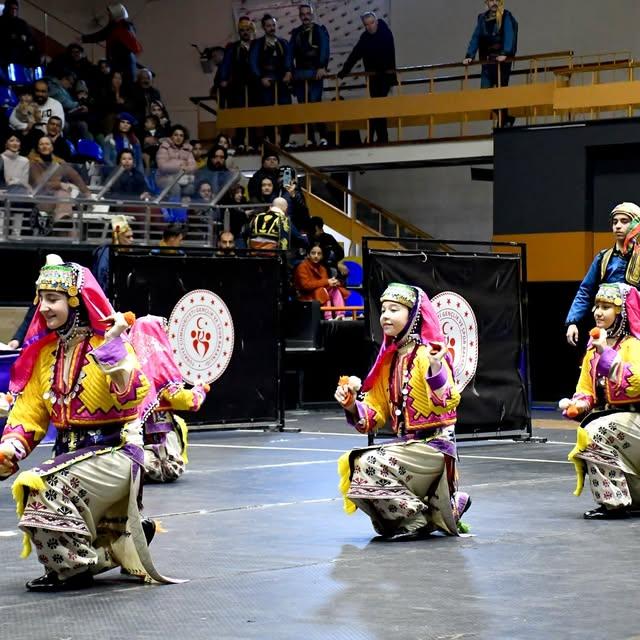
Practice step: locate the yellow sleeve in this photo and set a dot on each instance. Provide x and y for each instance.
(29, 417)
(373, 409)
(184, 399)
(584, 389)
(625, 378)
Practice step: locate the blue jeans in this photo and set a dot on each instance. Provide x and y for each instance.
(308, 89)
(267, 98)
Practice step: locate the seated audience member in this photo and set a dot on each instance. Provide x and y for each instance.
(60, 184)
(237, 218)
(312, 282)
(226, 244)
(75, 60)
(224, 141)
(216, 172)
(121, 235)
(333, 253)
(199, 154)
(91, 115)
(131, 184)
(267, 191)
(47, 106)
(158, 110)
(25, 116)
(175, 156)
(112, 101)
(172, 239)
(15, 167)
(123, 137)
(144, 93)
(60, 88)
(150, 141)
(270, 169)
(270, 230)
(204, 195)
(61, 146)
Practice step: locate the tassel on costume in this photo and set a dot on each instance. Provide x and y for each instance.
(582, 442)
(26, 481)
(344, 471)
(184, 434)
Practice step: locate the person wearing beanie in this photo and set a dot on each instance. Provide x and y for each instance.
(620, 263)
(270, 169)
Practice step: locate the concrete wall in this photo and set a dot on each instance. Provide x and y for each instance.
(441, 200)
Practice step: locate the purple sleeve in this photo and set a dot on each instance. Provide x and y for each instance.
(438, 380)
(110, 353)
(606, 360)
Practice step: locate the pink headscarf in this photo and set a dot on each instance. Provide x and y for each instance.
(149, 339)
(632, 303)
(97, 307)
(430, 331)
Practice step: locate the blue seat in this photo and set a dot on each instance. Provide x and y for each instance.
(354, 279)
(8, 99)
(20, 74)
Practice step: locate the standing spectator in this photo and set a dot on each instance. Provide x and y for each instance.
(270, 169)
(377, 51)
(297, 205)
(131, 184)
(123, 46)
(310, 50)
(174, 155)
(270, 229)
(215, 171)
(217, 56)
(15, 167)
(47, 106)
(143, 94)
(16, 40)
(237, 81)
(271, 65)
(61, 146)
(496, 37)
(123, 137)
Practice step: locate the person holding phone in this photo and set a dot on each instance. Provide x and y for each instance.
(407, 487)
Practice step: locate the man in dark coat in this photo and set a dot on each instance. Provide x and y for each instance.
(16, 40)
(377, 51)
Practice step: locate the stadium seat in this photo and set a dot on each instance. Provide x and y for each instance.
(354, 279)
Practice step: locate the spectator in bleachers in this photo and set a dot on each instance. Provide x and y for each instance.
(123, 137)
(313, 282)
(297, 208)
(377, 51)
(172, 239)
(61, 147)
(16, 40)
(103, 75)
(271, 65)
(496, 38)
(144, 93)
(121, 235)
(113, 100)
(60, 184)
(215, 171)
(175, 156)
(268, 191)
(130, 184)
(199, 154)
(160, 111)
(270, 169)
(226, 243)
(310, 50)
(25, 117)
(122, 45)
(74, 60)
(89, 161)
(204, 195)
(270, 230)
(46, 105)
(151, 140)
(236, 218)
(75, 113)
(217, 56)
(15, 167)
(332, 251)
(237, 81)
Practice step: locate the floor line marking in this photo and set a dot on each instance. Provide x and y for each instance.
(261, 466)
(462, 457)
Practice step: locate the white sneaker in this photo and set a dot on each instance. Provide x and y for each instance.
(291, 145)
(323, 142)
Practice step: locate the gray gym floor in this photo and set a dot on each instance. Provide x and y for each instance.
(257, 527)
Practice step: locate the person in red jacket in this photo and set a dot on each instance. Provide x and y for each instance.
(123, 46)
(313, 283)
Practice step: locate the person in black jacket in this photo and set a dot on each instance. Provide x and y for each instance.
(16, 40)
(131, 184)
(377, 51)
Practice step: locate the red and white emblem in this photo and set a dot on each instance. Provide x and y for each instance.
(460, 328)
(201, 336)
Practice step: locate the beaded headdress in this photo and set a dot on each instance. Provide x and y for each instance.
(400, 293)
(611, 293)
(61, 277)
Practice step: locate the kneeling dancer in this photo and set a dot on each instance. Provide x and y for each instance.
(407, 487)
(79, 509)
(606, 399)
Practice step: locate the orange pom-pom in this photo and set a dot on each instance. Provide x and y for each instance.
(129, 317)
(572, 411)
(342, 381)
(206, 387)
(9, 398)
(595, 333)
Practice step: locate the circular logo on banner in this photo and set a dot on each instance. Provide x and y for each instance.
(460, 329)
(201, 336)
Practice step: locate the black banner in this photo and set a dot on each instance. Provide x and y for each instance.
(250, 388)
(496, 399)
